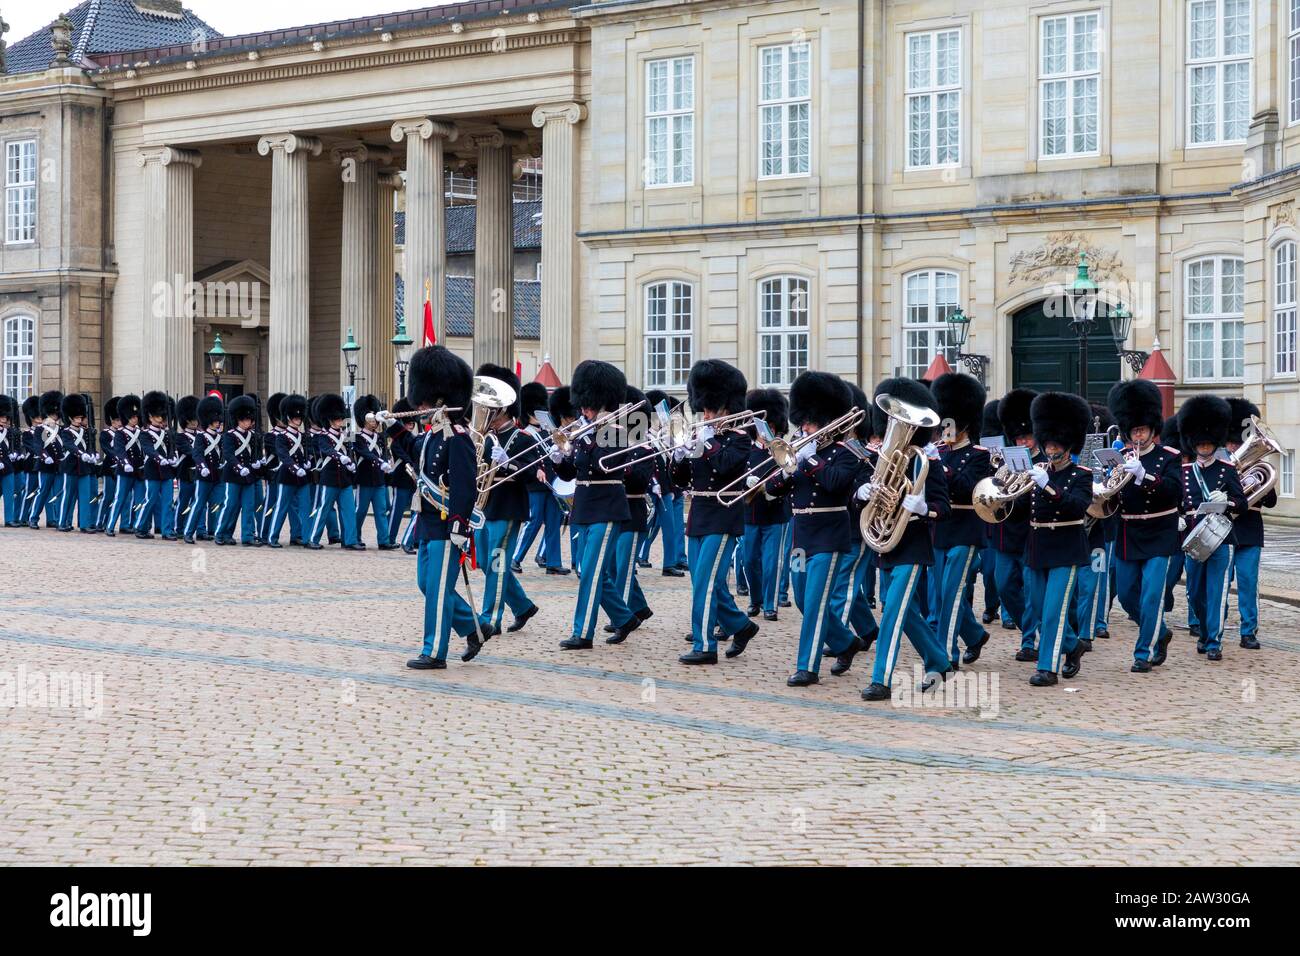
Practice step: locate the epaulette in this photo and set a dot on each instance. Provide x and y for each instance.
(1084, 468)
(1172, 451)
(978, 448)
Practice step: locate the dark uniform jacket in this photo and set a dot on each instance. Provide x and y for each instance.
(128, 449)
(1249, 530)
(237, 452)
(399, 477)
(106, 442)
(1057, 538)
(292, 455)
(447, 460)
(46, 449)
(371, 454)
(509, 501)
(916, 546)
(639, 477)
(157, 446)
(8, 446)
(1148, 510)
(963, 468)
(1011, 536)
(530, 463)
(819, 493)
(725, 458)
(185, 448)
(766, 507)
(207, 454)
(335, 456)
(1218, 475)
(600, 496)
(75, 443)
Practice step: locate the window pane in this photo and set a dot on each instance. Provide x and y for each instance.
(798, 138)
(947, 58)
(684, 83)
(1053, 111)
(918, 61)
(1295, 78)
(1200, 287)
(1236, 100)
(1053, 46)
(1233, 286)
(1200, 350)
(656, 308)
(1085, 115)
(1236, 27)
(947, 128)
(1201, 29)
(771, 148)
(918, 131)
(1204, 114)
(1234, 349)
(771, 83)
(657, 86)
(1085, 57)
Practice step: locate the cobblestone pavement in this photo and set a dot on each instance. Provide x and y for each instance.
(256, 709)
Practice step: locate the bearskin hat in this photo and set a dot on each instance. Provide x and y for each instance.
(560, 405)
(1204, 418)
(772, 402)
(862, 431)
(905, 389)
(532, 399)
(1013, 413)
(363, 406)
(110, 409)
(598, 385)
(401, 406)
(439, 376)
(503, 374)
(155, 403)
(31, 409)
(818, 398)
(187, 410)
(7, 408)
(991, 425)
(313, 404)
(74, 406)
(51, 403)
(241, 408)
(716, 386)
(273, 409)
(1135, 403)
(1242, 410)
(642, 420)
(128, 407)
(1061, 418)
(959, 397)
(329, 409)
(210, 410)
(1170, 436)
(293, 406)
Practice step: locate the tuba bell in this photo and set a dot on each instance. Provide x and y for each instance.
(1258, 475)
(994, 497)
(488, 398)
(883, 520)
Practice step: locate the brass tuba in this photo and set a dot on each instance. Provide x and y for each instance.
(1258, 475)
(883, 520)
(487, 399)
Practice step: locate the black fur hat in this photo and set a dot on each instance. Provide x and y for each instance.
(51, 403)
(863, 430)
(293, 406)
(643, 419)
(211, 410)
(503, 374)
(7, 409)
(1170, 436)
(128, 407)
(1134, 403)
(773, 402)
(908, 390)
(1062, 418)
(991, 425)
(439, 376)
(1242, 410)
(716, 386)
(110, 409)
(313, 404)
(532, 399)
(818, 398)
(560, 405)
(1204, 418)
(1013, 413)
(156, 403)
(598, 385)
(656, 395)
(74, 406)
(329, 409)
(273, 409)
(960, 397)
(187, 410)
(241, 408)
(363, 406)
(31, 409)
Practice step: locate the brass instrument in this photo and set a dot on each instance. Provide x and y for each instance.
(1107, 486)
(488, 398)
(782, 453)
(438, 413)
(673, 434)
(1258, 476)
(994, 497)
(883, 521)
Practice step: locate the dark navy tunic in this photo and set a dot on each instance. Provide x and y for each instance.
(819, 492)
(207, 454)
(1148, 509)
(237, 452)
(370, 454)
(600, 497)
(1057, 538)
(157, 446)
(963, 468)
(292, 455)
(446, 457)
(509, 501)
(334, 455)
(917, 546)
(725, 458)
(185, 448)
(128, 448)
(1250, 526)
(766, 507)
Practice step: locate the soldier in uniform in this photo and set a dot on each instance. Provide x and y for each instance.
(29, 444)
(1057, 548)
(402, 485)
(9, 461)
(292, 482)
(238, 474)
(1010, 536)
(107, 461)
(1092, 596)
(563, 414)
(635, 529)
(128, 452)
(767, 514)
(373, 466)
(1249, 534)
(80, 467)
(47, 452)
(858, 617)
(1147, 540)
(270, 470)
(959, 538)
(337, 474)
(1169, 436)
(160, 461)
(207, 470)
(187, 417)
(543, 512)
(1205, 422)
(991, 427)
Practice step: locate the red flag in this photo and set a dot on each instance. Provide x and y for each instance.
(519, 370)
(430, 337)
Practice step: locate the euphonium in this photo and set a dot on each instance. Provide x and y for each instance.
(1107, 486)
(488, 398)
(1258, 476)
(995, 496)
(883, 520)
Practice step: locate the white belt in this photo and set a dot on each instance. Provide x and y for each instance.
(1158, 514)
(587, 484)
(842, 509)
(962, 507)
(637, 497)
(1055, 524)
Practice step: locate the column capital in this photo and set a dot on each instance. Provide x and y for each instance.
(571, 113)
(290, 143)
(167, 155)
(425, 128)
(392, 180)
(362, 153)
(492, 139)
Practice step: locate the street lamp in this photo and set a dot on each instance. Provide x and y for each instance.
(958, 330)
(1121, 321)
(1082, 296)
(217, 362)
(351, 351)
(402, 349)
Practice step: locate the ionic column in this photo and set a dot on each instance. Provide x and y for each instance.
(426, 231)
(168, 344)
(558, 124)
(494, 253)
(384, 371)
(359, 170)
(290, 260)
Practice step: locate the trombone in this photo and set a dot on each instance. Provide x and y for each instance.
(678, 432)
(782, 453)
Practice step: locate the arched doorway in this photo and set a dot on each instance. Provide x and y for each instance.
(1045, 353)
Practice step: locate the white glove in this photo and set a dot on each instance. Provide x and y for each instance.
(301, 472)
(556, 455)
(931, 451)
(865, 492)
(350, 465)
(1182, 524)
(705, 434)
(205, 472)
(916, 504)
(383, 417)
(680, 452)
(244, 472)
(13, 457)
(1039, 474)
(48, 460)
(87, 457)
(805, 452)
(459, 541)
(654, 487)
(499, 456)
(1134, 468)
(128, 467)
(751, 481)
(388, 467)
(1218, 494)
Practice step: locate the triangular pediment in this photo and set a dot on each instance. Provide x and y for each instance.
(232, 270)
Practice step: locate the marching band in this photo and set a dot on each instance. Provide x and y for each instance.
(875, 514)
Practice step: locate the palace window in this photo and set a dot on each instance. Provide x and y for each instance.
(670, 122)
(934, 98)
(1284, 309)
(1218, 71)
(785, 110)
(669, 324)
(1069, 84)
(20, 191)
(1293, 62)
(19, 356)
(783, 330)
(1286, 475)
(931, 297)
(1213, 327)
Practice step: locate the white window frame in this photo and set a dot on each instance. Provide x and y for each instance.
(677, 118)
(793, 314)
(20, 193)
(1216, 316)
(1293, 63)
(1070, 78)
(18, 356)
(935, 323)
(1218, 62)
(1286, 474)
(788, 102)
(931, 92)
(1283, 330)
(668, 336)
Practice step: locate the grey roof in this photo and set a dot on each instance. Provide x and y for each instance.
(460, 308)
(105, 27)
(462, 221)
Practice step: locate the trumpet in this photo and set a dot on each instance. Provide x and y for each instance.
(783, 454)
(564, 438)
(678, 433)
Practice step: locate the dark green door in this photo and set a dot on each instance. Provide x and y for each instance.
(1045, 353)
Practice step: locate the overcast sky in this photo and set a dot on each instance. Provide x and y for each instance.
(227, 16)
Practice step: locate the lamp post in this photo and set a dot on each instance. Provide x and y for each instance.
(1121, 321)
(958, 331)
(1082, 296)
(351, 352)
(402, 349)
(217, 362)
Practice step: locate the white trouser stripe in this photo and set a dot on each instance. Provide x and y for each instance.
(819, 623)
(1064, 619)
(891, 656)
(711, 584)
(957, 597)
(596, 581)
(1223, 597)
(1160, 610)
(438, 597)
(225, 506)
(851, 593)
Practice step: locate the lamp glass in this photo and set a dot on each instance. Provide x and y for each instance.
(958, 328)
